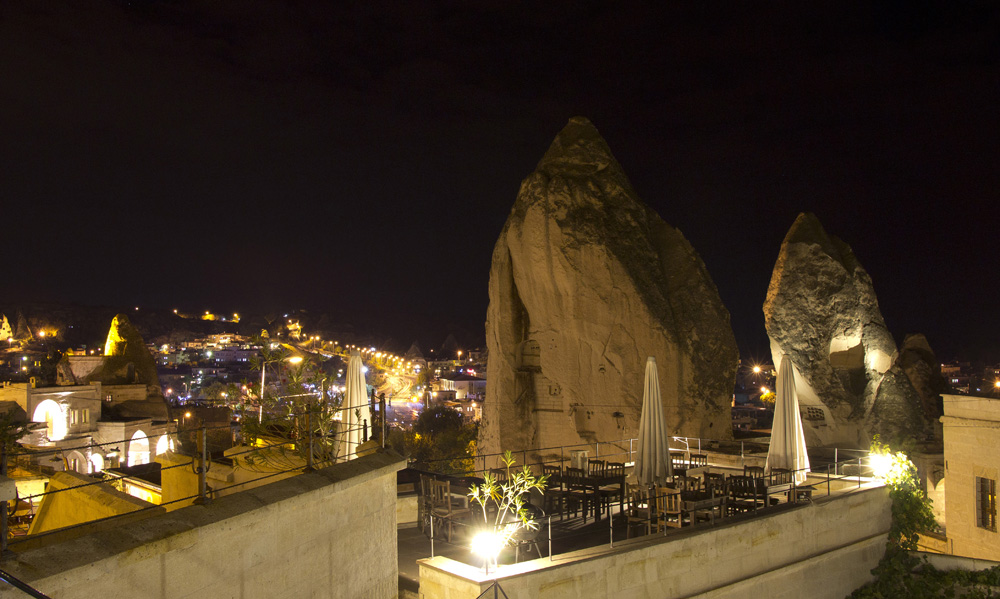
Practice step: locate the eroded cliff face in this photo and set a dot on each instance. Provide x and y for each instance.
(822, 311)
(586, 283)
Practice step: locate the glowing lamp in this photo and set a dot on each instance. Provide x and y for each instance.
(488, 545)
(881, 464)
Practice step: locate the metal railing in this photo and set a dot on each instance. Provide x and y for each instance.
(564, 529)
(21, 586)
(624, 450)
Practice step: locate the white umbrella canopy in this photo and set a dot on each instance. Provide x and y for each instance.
(788, 443)
(355, 409)
(652, 460)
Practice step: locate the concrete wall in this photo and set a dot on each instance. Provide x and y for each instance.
(331, 533)
(823, 549)
(406, 509)
(971, 425)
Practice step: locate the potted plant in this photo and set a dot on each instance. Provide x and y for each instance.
(504, 508)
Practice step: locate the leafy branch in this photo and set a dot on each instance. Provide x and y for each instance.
(508, 499)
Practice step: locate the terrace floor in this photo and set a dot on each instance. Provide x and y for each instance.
(571, 534)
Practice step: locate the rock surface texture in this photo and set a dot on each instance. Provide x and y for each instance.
(586, 283)
(127, 361)
(821, 310)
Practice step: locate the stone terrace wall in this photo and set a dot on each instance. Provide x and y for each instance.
(331, 533)
(822, 549)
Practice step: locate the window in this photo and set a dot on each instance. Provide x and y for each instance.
(986, 503)
(73, 416)
(84, 416)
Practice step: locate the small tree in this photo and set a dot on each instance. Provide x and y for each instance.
(508, 501)
(911, 515)
(441, 440)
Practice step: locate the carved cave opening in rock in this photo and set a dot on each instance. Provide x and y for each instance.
(847, 357)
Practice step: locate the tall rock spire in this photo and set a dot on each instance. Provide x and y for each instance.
(822, 311)
(586, 283)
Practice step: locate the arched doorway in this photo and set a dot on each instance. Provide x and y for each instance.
(51, 413)
(138, 449)
(97, 462)
(75, 462)
(164, 444)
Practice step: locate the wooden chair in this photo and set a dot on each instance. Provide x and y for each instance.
(714, 483)
(669, 508)
(499, 475)
(424, 503)
(780, 476)
(578, 494)
(698, 460)
(638, 510)
(613, 492)
(679, 462)
(754, 471)
(555, 493)
(596, 467)
(687, 483)
(446, 509)
(744, 494)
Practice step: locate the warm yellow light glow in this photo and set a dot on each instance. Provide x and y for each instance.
(763, 389)
(756, 368)
(295, 359)
(187, 414)
(52, 414)
(488, 544)
(881, 464)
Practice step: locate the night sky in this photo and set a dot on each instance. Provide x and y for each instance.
(360, 158)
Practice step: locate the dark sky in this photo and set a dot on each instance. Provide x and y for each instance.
(360, 158)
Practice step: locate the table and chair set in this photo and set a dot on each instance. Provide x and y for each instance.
(574, 496)
(443, 503)
(698, 493)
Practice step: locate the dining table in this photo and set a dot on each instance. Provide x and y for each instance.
(593, 486)
(702, 501)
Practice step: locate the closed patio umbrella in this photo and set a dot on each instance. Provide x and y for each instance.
(652, 460)
(788, 443)
(356, 409)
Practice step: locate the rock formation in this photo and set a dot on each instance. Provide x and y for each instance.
(586, 283)
(822, 311)
(23, 331)
(127, 361)
(922, 368)
(5, 330)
